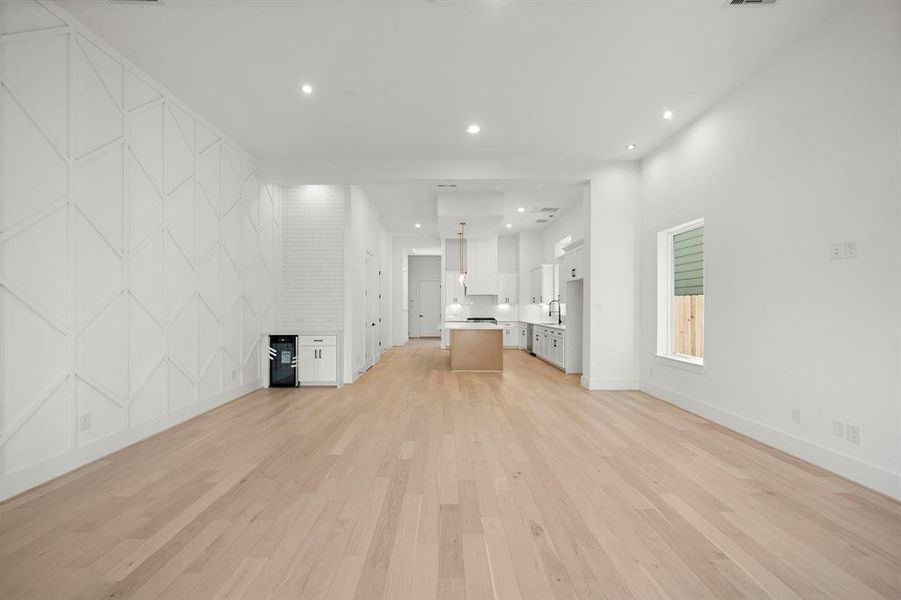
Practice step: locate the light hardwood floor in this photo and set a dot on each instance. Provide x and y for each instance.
(420, 483)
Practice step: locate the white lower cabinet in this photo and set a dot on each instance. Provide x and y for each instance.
(317, 358)
(548, 344)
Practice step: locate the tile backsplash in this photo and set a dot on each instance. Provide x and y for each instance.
(485, 306)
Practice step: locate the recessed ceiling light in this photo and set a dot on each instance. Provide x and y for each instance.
(520, 209)
(631, 147)
(668, 114)
(473, 129)
(417, 225)
(306, 89)
(509, 225)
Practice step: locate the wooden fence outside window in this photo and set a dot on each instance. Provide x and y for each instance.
(688, 322)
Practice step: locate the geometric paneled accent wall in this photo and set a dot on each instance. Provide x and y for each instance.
(139, 254)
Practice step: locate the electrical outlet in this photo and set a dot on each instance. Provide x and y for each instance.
(836, 250)
(852, 432)
(838, 429)
(850, 250)
(84, 422)
(234, 374)
(796, 415)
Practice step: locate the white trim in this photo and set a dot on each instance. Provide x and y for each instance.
(681, 361)
(849, 467)
(596, 383)
(665, 285)
(26, 478)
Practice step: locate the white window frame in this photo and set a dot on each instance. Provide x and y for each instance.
(561, 244)
(665, 286)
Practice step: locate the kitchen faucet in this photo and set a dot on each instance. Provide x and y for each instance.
(550, 312)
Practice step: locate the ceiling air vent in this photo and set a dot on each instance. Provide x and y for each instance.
(541, 220)
(545, 209)
(447, 185)
(740, 2)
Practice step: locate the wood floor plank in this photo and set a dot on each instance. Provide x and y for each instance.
(417, 483)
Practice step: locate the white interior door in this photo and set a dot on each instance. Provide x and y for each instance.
(429, 308)
(368, 329)
(375, 311)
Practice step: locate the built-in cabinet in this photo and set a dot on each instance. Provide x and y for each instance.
(543, 284)
(453, 289)
(481, 267)
(549, 344)
(507, 288)
(572, 264)
(317, 360)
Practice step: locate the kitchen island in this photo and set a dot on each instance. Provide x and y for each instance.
(475, 346)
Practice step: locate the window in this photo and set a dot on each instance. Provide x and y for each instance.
(680, 293)
(560, 245)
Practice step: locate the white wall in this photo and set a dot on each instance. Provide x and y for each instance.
(804, 154)
(610, 315)
(139, 256)
(366, 236)
(420, 268)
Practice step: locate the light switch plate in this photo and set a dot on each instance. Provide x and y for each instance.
(796, 415)
(838, 429)
(850, 250)
(84, 422)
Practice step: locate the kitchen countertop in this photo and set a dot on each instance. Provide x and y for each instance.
(543, 324)
(468, 325)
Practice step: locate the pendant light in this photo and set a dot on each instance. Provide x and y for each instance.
(462, 275)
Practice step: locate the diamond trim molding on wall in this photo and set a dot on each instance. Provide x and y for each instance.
(156, 275)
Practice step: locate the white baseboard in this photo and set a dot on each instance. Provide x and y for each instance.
(34, 475)
(865, 474)
(597, 384)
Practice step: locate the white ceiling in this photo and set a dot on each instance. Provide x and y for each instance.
(402, 205)
(553, 80)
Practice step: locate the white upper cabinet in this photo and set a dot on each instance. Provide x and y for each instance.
(481, 267)
(572, 264)
(543, 284)
(453, 289)
(507, 288)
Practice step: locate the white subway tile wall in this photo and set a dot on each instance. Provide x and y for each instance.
(312, 296)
